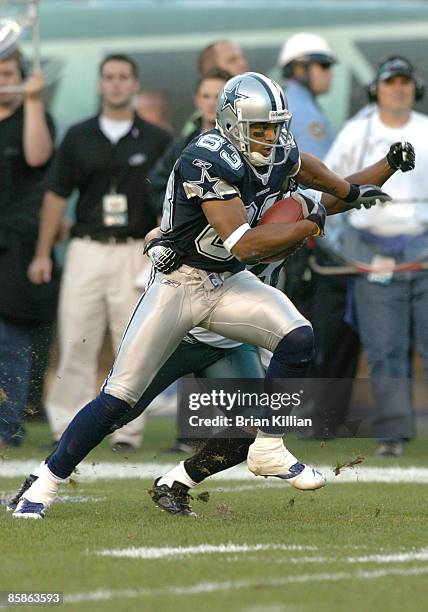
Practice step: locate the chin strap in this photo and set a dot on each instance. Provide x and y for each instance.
(257, 159)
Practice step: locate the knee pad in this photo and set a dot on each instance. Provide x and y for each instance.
(113, 408)
(297, 347)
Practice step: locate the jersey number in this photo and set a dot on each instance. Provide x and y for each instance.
(208, 243)
(213, 143)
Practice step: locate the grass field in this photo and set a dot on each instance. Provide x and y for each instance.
(256, 545)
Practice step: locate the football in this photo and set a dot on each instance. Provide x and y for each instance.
(288, 210)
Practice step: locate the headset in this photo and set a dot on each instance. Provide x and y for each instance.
(396, 64)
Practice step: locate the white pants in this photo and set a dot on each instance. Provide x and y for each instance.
(97, 292)
(242, 308)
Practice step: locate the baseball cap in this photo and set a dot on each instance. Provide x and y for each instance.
(395, 66)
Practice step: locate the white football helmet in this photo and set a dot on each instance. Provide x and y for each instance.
(254, 98)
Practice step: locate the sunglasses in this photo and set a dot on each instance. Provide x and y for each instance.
(325, 65)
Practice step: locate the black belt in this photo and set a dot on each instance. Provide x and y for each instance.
(108, 239)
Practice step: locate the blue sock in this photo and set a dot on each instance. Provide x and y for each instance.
(88, 428)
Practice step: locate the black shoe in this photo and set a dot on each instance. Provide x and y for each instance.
(12, 503)
(390, 448)
(175, 499)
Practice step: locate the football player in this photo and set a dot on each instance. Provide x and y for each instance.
(220, 186)
(171, 491)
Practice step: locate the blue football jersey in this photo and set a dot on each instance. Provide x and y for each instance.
(211, 168)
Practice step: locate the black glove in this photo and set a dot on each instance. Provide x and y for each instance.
(401, 156)
(164, 255)
(366, 195)
(313, 211)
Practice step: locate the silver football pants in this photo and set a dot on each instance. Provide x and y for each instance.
(239, 307)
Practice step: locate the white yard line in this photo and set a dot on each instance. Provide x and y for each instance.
(61, 499)
(108, 470)
(402, 557)
(273, 483)
(202, 549)
(214, 587)
(170, 552)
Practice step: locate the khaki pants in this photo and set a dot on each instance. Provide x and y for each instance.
(97, 292)
(242, 308)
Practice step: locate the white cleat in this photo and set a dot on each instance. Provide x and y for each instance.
(38, 497)
(269, 457)
(304, 477)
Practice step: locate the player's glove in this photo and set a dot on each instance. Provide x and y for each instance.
(366, 195)
(401, 156)
(313, 211)
(164, 255)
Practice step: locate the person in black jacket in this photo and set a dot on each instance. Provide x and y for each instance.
(205, 100)
(26, 311)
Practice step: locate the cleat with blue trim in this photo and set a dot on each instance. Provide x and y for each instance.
(303, 477)
(268, 456)
(39, 496)
(29, 510)
(13, 502)
(175, 499)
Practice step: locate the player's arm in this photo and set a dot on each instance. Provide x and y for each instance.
(230, 221)
(376, 174)
(401, 156)
(40, 269)
(315, 174)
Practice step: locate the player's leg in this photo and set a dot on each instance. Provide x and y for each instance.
(250, 311)
(187, 358)
(171, 491)
(220, 452)
(160, 320)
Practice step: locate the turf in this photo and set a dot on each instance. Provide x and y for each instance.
(333, 526)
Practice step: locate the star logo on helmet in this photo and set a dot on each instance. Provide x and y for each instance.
(207, 186)
(231, 96)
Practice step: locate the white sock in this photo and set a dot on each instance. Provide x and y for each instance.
(266, 443)
(39, 469)
(179, 474)
(262, 434)
(45, 488)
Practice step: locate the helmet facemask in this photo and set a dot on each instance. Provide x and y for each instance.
(239, 134)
